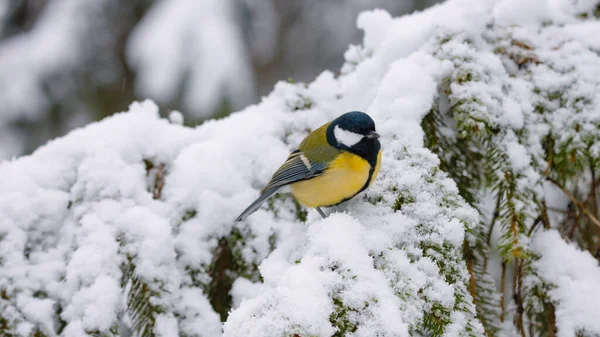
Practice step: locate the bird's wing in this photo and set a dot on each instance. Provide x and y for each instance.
(310, 160)
(297, 167)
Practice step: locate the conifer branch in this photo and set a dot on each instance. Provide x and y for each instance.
(140, 308)
(576, 202)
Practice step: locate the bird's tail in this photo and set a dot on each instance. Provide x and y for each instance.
(256, 204)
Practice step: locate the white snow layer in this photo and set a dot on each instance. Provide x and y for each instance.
(75, 213)
(576, 277)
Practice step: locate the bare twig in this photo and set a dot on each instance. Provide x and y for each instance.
(574, 226)
(544, 216)
(519, 296)
(488, 238)
(502, 286)
(557, 210)
(535, 223)
(495, 216)
(159, 182)
(594, 198)
(593, 193)
(469, 257)
(576, 202)
(551, 319)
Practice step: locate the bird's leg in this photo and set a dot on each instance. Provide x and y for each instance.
(321, 212)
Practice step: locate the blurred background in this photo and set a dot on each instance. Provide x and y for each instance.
(65, 63)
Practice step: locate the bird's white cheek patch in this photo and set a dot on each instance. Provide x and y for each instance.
(346, 137)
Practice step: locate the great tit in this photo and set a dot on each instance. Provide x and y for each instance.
(332, 164)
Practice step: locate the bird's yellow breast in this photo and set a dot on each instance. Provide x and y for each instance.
(345, 177)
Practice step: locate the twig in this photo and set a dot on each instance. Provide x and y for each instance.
(535, 223)
(532, 328)
(488, 239)
(594, 196)
(469, 258)
(496, 214)
(574, 226)
(593, 193)
(576, 202)
(159, 182)
(502, 286)
(551, 319)
(519, 297)
(557, 210)
(545, 219)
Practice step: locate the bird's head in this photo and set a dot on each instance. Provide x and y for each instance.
(354, 132)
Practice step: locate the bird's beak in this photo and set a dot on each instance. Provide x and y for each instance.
(372, 135)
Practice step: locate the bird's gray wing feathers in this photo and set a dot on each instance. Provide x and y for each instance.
(296, 168)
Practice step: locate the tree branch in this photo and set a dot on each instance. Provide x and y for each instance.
(469, 257)
(576, 202)
(519, 296)
(574, 226)
(488, 239)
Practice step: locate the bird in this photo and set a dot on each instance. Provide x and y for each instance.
(331, 165)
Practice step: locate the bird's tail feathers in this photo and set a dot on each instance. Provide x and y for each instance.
(256, 204)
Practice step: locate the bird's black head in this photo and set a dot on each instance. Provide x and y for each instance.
(355, 132)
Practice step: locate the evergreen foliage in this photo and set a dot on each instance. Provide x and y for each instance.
(491, 74)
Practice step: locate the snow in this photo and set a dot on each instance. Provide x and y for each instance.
(243, 289)
(575, 276)
(304, 287)
(176, 117)
(202, 320)
(135, 191)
